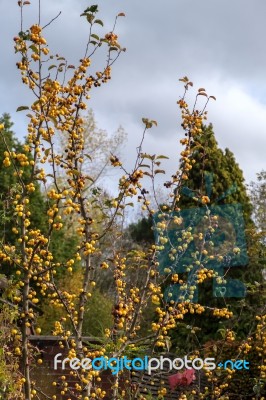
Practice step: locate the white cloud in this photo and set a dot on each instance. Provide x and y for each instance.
(219, 45)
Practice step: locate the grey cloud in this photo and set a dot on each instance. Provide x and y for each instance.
(218, 44)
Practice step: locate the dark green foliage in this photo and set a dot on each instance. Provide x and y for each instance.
(216, 174)
(9, 186)
(141, 232)
(98, 314)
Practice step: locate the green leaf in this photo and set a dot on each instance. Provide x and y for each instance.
(21, 108)
(51, 67)
(46, 152)
(98, 21)
(95, 36)
(90, 18)
(34, 49)
(88, 156)
(93, 42)
(149, 123)
(162, 156)
(145, 155)
(92, 9)
(148, 174)
(159, 171)
(24, 35)
(112, 48)
(145, 166)
(75, 172)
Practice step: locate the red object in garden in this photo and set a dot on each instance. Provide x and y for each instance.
(182, 378)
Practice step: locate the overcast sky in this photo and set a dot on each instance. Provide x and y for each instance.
(218, 44)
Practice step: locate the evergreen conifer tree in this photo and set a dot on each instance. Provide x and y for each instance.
(226, 181)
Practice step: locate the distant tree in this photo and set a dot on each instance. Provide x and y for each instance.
(257, 192)
(258, 198)
(98, 146)
(141, 231)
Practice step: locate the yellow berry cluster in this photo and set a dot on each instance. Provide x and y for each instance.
(222, 313)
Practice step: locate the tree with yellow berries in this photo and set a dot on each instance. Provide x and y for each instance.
(61, 93)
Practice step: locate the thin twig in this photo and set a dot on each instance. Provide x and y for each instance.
(52, 20)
